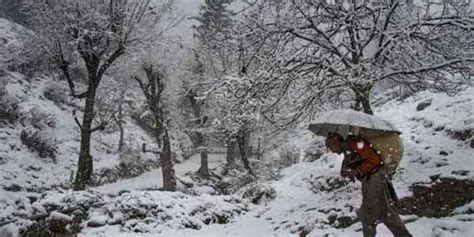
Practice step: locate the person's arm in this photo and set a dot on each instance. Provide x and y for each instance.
(344, 168)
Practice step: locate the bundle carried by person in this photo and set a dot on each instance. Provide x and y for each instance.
(387, 145)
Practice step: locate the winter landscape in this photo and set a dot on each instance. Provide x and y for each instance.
(210, 117)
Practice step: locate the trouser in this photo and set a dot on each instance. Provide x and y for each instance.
(379, 206)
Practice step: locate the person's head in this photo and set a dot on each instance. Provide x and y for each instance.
(334, 142)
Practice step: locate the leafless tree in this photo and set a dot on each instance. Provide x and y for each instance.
(90, 33)
(152, 87)
(314, 52)
(223, 57)
(120, 112)
(198, 128)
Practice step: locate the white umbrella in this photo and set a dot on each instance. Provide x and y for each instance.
(349, 121)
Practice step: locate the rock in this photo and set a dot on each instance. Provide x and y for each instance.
(423, 105)
(472, 143)
(345, 221)
(332, 218)
(13, 188)
(460, 172)
(97, 221)
(438, 200)
(435, 177)
(58, 222)
(441, 164)
(444, 153)
(461, 135)
(428, 123)
(259, 193)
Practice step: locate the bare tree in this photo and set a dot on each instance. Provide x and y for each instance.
(198, 128)
(120, 112)
(152, 87)
(314, 52)
(91, 33)
(224, 57)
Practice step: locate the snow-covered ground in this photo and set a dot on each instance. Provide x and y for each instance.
(301, 205)
(310, 196)
(154, 179)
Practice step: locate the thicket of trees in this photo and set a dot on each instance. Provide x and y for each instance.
(264, 65)
(93, 35)
(312, 53)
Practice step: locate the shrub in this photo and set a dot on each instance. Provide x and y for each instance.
(40, 142)
(258, 193)
(56, 93)
(130, 155)
(289, 155)
(39, 119)
(9, 106)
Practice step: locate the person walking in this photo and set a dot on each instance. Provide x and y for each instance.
(378, 195)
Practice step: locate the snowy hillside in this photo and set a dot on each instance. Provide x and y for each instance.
(310, 196)
(191, 111)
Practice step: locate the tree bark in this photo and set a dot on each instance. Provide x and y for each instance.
(85, 164)
(242, 141)
(204, 169)
(230, 154)
(120, 145)
(362, 100)
(119, 121)
(259, 154)
(169, 178)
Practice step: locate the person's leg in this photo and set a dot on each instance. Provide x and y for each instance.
(368, 229)
(372, 207)
(396, 225)
(392, 218)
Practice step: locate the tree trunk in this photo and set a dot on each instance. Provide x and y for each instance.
(204, 169)
(120, 145)
(241, 140)
(362, 101)
(169, 179)
(259, 154)
(120, 125)
(366, 105)
(230, 156)
(85, 164)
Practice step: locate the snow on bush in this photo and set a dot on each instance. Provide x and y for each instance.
(38, 135)
(39, 119)
(124, 171)
(55, 92)
(154, 211)
(130, 155)
(39, 141)
(259, 193)
(9, 105)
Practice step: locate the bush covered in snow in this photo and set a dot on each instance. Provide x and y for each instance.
(129, 155)
(289, 154)
(151, 212)
(124, 171)
(259, 193)
(234, 180)
(38, 135)
(38, 119)
(39, 141)
(55, 92)
(137, 212)
(9, 105)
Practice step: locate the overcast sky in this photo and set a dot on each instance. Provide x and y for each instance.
(186, 8)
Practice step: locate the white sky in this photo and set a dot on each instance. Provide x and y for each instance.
(186, 9)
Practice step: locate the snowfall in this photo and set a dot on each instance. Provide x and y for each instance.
(304, 198)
